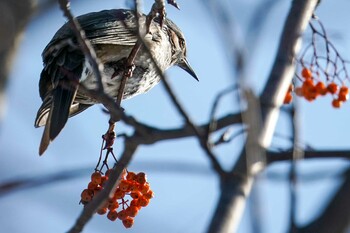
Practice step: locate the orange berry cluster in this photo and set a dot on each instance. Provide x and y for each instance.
(134, 186)
(310, 91)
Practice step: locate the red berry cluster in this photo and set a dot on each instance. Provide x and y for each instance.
(310, 91)
(132, 193)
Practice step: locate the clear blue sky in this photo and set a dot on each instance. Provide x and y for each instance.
(172, 167)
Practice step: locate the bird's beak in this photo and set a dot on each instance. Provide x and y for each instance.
(183, 64)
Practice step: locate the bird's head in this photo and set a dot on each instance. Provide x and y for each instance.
(178, 48)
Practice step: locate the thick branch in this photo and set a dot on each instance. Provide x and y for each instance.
(271, 99)
(284, 66)
(240, 188)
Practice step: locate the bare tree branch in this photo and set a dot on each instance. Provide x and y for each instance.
(231, 203)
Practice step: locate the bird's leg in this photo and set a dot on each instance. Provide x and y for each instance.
(129, 68)
(109, 136)
(158, 8)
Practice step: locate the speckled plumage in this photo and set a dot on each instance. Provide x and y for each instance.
(113, 33)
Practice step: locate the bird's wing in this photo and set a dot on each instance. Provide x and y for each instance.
(58, 86)
(116, 26)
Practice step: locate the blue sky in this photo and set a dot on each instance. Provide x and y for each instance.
(186, 189)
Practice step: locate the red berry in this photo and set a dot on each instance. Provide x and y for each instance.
(112, 215)
(118, 194)
(135, 203)
(306, 73)
(134, 186)
(122, 215)
(132, 211)
(92, 186)
(337, 103)
(124, 185)
(96, 178)
(149, 194)
(144, 188)
(332, 88)
(343, 93)
(288, 98)
(128, 222)
(143, 201)
(102, 211)
(131, 176)
(141, 178)
(87, 195)
(343, 96)
(344, 89)
(321, 88)
(113, 205)
(136, 194)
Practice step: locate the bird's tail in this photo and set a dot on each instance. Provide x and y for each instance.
(54, 113)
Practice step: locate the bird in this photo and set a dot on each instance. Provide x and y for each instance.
(112, 34)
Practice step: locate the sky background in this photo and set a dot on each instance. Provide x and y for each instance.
(179, 173)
